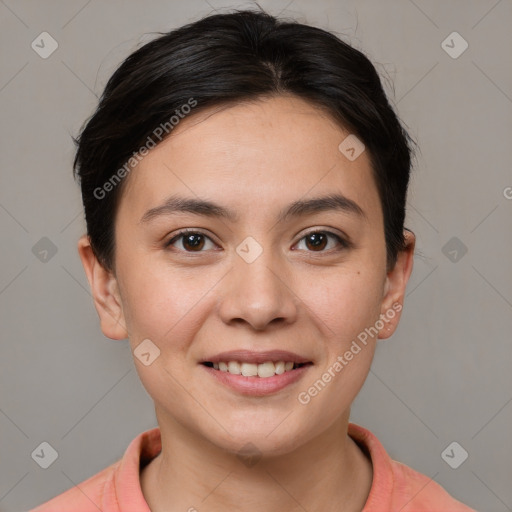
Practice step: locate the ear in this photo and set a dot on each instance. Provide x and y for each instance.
(394, 287)
(105, 292)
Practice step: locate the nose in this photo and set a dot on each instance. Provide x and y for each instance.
(259, 294)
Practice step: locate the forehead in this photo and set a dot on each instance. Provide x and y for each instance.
(253, 154)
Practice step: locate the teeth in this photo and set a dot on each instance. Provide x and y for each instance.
(234, 367)
(263, 370)
(266, 369)
(249, 370)
(280, 367)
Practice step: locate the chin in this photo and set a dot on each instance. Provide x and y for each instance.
(269, 439)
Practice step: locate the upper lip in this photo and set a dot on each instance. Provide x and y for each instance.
(248, 356)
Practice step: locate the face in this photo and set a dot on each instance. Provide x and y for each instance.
(280, 277)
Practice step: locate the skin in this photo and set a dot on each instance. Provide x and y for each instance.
(254, 158)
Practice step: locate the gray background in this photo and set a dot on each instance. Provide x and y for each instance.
(444, 376)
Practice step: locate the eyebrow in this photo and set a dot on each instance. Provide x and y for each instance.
(177, 204)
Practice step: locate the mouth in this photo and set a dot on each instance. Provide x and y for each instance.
(256, 373)
(262, 370)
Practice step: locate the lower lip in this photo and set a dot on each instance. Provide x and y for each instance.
(257, 386)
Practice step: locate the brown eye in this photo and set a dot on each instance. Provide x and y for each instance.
(317, 241)
(189, 241)
(195, 241)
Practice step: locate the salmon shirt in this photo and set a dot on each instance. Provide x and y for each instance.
(395, 486)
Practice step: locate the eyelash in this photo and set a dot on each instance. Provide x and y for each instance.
(343, 243)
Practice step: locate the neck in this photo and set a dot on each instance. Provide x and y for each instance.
(328, 473)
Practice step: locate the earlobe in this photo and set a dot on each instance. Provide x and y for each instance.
(105, 292)
(395, 286)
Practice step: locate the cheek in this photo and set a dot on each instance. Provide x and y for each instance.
(167, 308)
(160, 303)
(347, 305)
(345, 301)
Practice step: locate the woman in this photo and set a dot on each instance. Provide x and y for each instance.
(244, 182)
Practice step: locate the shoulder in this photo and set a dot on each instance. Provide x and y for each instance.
(88, 496)
(114, 488)
(396, 486)
(416, 492)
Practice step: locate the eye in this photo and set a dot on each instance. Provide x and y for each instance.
(318, 240)
(191, 241)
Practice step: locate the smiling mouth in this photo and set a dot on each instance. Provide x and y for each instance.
(262, 370)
